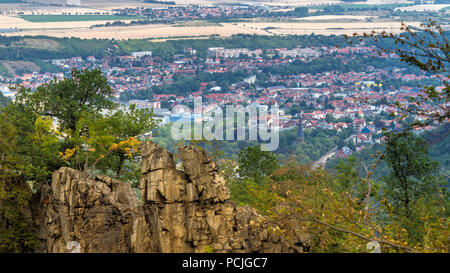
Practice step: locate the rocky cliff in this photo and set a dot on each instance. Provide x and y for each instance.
(185, 209)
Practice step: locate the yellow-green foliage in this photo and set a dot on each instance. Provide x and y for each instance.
(335, 217)
(208, 249)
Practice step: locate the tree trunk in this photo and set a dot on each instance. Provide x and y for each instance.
(120, 167)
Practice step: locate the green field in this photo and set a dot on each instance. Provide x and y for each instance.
(75, 18)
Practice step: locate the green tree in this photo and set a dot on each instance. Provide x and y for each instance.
(378, 122)
(301, 12)
(413, 179)
(17, 233)
(37, 142)
(109, 144)
(330, 118)
(93, 141)
(348, 178)
(122, 125)
(85, 92)
(413, 173)
(3, 100)
(256, 164)
(333, 9)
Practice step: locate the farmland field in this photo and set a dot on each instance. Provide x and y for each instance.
(364, 6)
(223, 29)
(335, 17)
(425, 7)
(75, 18)
(15, 22)
(84, 21)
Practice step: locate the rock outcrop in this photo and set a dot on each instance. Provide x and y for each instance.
(184, 209)
(98, 214)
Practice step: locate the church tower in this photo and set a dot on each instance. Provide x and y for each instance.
(300, 134)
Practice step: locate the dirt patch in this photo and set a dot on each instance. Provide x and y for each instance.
(40, 43)
(20, 66)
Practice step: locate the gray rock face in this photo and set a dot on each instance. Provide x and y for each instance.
(182, 211)
(99, 214)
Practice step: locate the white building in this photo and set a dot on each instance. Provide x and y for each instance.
(250, 80)
(220, 52)
(145, 104)
(298, 52)
(140, 54)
